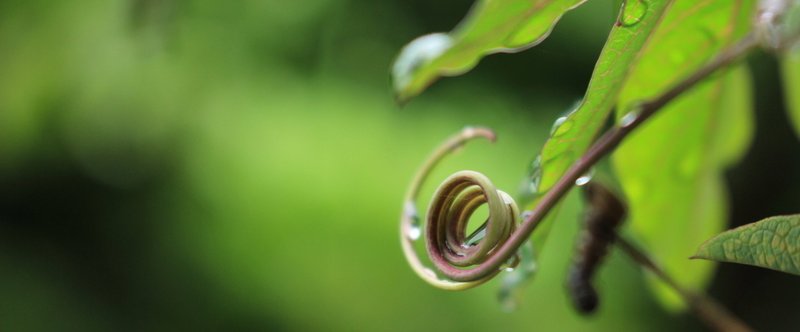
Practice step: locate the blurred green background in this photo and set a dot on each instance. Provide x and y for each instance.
(206, 165)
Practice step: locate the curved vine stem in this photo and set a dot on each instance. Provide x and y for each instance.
(410, 228)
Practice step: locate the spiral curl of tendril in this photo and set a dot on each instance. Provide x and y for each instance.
(455, 255)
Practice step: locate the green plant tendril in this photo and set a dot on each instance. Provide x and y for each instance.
(449, 248)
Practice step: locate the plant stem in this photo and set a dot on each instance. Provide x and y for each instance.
(706, 308)
(602, 147)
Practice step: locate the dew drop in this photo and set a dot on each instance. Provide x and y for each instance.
(583, 180)
(511, 264)
(633, 11)
(561, 126)
(417, 53)
(414, 230)
(535, 175)
(629, 118)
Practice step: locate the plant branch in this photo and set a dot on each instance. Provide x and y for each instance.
(706, 308)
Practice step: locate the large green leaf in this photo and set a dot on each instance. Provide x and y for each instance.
(492, 26)
(572, 135)
(791, 80)
(671, 168)
(772, 243)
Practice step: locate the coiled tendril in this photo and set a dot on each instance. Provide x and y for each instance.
(455, 255)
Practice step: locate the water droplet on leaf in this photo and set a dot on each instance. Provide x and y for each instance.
(417, 53)
(633, 11)
(561, 126)
(535, 175)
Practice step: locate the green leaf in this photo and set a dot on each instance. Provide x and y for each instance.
(572, 135)
(772, 243)
(790, 64)
(492, 26)
(671, 168)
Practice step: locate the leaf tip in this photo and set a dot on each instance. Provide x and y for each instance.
(407, 71)
(400, 100)
(701, 253)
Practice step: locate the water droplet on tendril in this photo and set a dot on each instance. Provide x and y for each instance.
(510, 264)
(414, 230)
(633, 11)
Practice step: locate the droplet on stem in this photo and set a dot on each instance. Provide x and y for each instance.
(629, 118)
(586, 178)
(583, 180)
